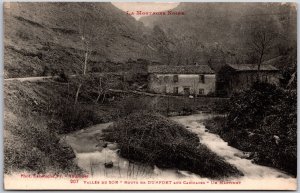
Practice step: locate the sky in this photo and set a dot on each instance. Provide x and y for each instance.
(145, 6)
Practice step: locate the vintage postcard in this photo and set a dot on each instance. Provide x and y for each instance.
(150, 96)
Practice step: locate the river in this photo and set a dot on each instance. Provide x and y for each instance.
(91, 157)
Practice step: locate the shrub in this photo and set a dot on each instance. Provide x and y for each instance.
(134, 104)
(221, 106)
(155, 140)
(215, 124)
(248, 108)
(262, 119)
(62, 76)
(76, 117)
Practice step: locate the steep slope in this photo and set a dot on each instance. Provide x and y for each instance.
(224, 29)
(43, 38)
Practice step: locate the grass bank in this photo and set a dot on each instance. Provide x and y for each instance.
(31, 143)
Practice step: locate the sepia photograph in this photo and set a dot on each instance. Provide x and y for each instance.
(150, 95)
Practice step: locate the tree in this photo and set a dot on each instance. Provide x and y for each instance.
(90, 34)
(95, 86)
(101, 87)
(262, 41)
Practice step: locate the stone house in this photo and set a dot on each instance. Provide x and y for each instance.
(235, 77)
(181, 80)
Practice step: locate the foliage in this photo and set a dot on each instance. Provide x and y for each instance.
(155, 140)
(134, 104)
(76, 117)
(216, 124)
(221, 106)
(63, 77)
(95, 86)
(167, 105)
(263, 119)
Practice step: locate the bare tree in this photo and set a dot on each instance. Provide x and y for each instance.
(262, 41)
(91, 33)
(94, 83)
(85, 37)
(101, 88)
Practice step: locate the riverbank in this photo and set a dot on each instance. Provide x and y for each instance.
(256, 176)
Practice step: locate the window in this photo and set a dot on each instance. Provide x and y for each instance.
(249, 79)
(201, 91)
(160, 79)
(175, 90)
(266, 78)
(201, 78)
(186, 91)
(175, 78)
(166, 79)
(165, 89)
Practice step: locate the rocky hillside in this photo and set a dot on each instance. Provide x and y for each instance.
(223, 30)
(45, 38)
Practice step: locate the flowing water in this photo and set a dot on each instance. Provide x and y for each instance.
(92, 153)
(254, 175)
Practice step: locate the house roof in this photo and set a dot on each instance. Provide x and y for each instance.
(187, 69)
(252, 67)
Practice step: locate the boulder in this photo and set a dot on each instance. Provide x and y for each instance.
(112, 146)
(109, 164)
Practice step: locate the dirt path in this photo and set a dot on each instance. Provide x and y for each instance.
(30, 79)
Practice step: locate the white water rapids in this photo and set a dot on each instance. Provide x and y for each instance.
(91, 157)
